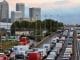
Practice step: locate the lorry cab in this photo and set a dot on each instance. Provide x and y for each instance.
(23, 40)
(34, 56)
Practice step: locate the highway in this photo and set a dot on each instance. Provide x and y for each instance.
(47, 40)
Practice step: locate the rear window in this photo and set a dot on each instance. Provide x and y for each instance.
(22, 49)
(15, 49)
(46, 46)
(19, 57)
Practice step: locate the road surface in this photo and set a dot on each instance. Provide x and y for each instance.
(47, 40)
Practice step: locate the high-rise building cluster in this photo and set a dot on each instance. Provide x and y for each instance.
(19, 13)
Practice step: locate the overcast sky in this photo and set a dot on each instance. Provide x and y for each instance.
(67, 11)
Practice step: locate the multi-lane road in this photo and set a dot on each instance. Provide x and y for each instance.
(63, 48)
(47, 40)
(75, 47)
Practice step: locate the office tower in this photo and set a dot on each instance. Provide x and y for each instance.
(4, 10)
(35, 13)
(20, 7)
(16, 16)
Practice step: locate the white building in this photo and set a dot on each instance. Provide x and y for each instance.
(5, 25)
(16, 16)
(4, 10)
(20, 7)
(26, 19)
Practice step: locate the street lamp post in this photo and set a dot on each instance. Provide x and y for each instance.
(36, 28)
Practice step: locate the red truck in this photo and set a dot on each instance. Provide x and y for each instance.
(34, 56)
(23, 41)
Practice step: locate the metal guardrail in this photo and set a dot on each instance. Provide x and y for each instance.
(75, 47)
(44, 39)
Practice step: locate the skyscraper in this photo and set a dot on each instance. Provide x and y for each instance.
(35, 13)
(20, 7)
(4, 10)
(16, 16)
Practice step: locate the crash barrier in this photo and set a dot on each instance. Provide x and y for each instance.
(44, 39)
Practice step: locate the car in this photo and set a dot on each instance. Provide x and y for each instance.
(68, 50)
(65, 58)
(53, 53)
(61, 41)
(54, 50)
(66, 53)
(7, 52)
(35, 55)
(51, 57)
(19, 51)
(57, 50)
(47, 47)
(54, 39)
(3, 56)
(42, 51)
(20, 57)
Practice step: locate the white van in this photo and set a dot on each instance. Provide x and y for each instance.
(21, 49)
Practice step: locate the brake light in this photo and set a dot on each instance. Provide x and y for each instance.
(5, 58)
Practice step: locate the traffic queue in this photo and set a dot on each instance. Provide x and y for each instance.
(69, 47)
(49, 51)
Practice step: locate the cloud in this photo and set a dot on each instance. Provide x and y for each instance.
(54, 3)
(46, 3)
(12, 3)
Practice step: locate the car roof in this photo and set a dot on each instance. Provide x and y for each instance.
(65, 58)
(53, 53)
(50, 56)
